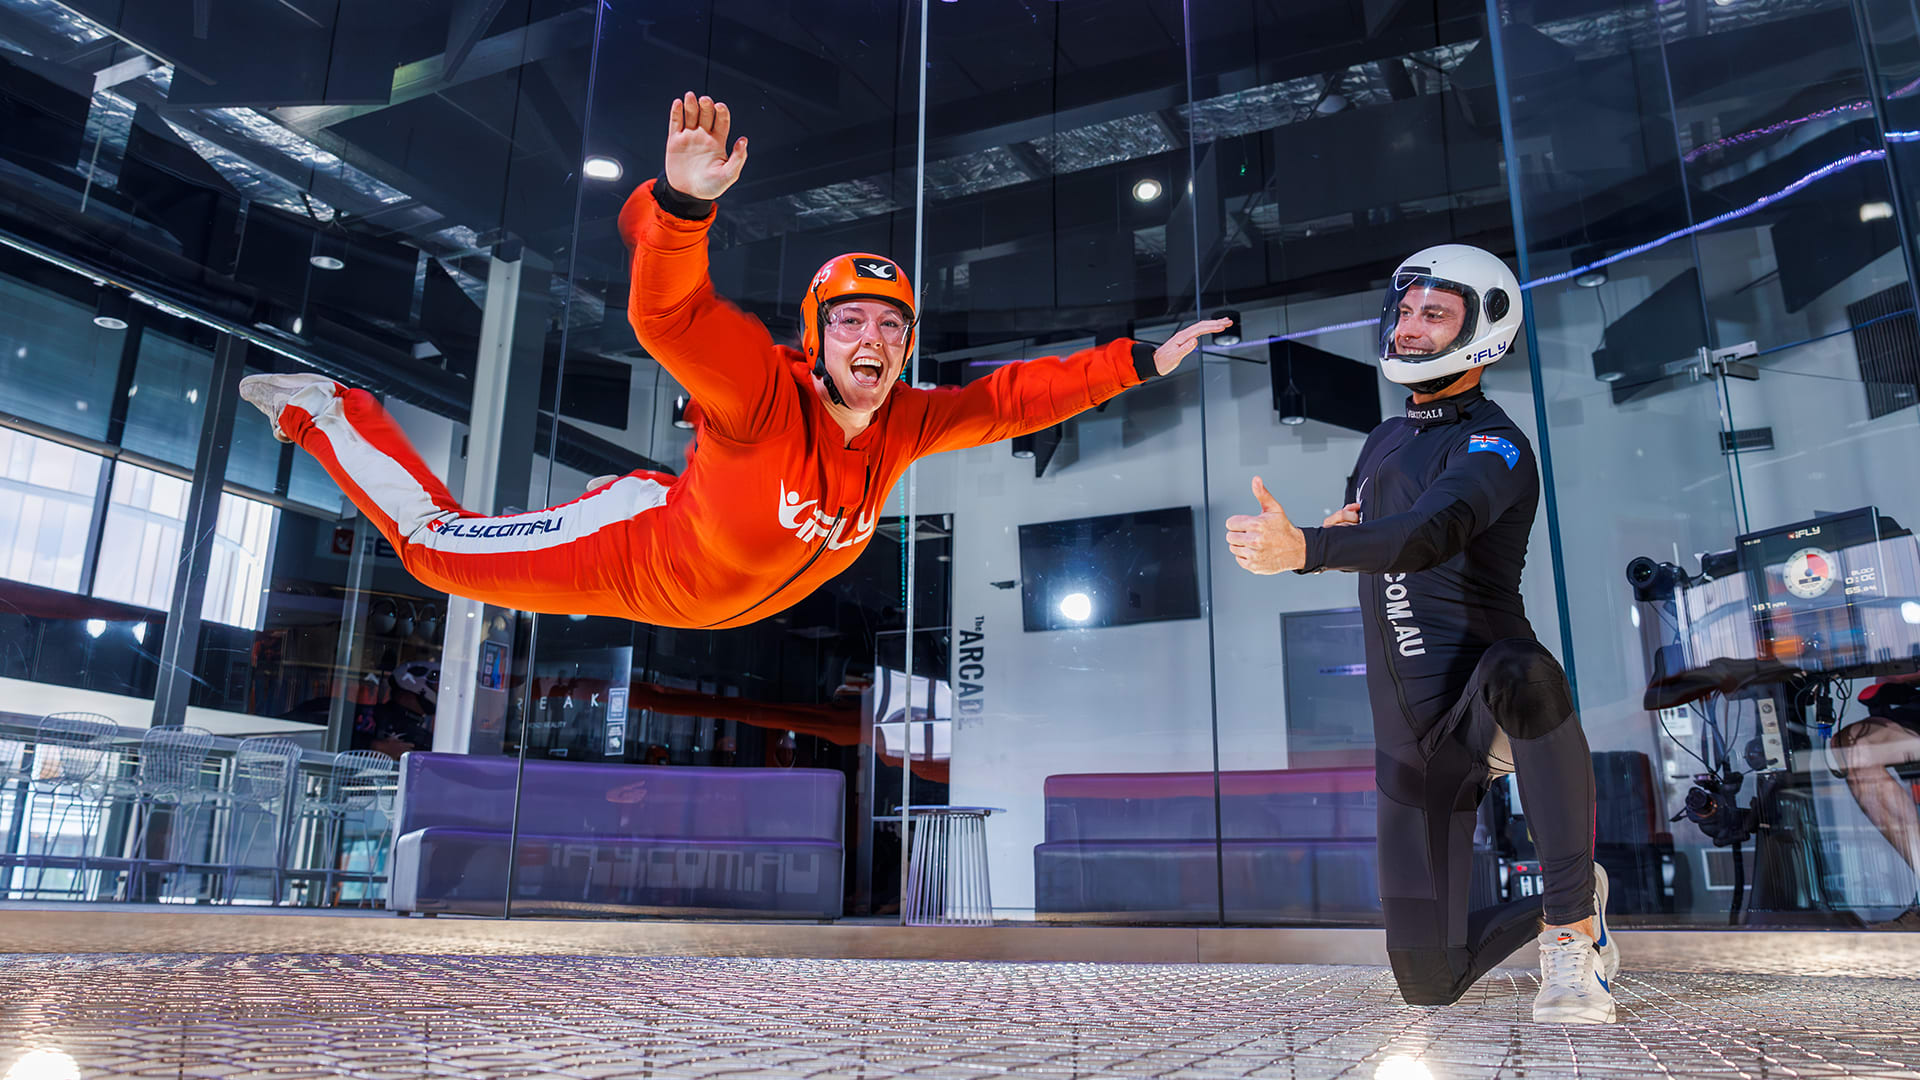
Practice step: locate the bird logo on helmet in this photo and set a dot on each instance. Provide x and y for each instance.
(856, 275)
(1491, 313)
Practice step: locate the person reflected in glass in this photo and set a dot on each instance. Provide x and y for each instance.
(1435, 522)
(1879, 757)
(795, 451)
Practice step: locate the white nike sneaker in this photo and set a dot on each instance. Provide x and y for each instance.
(1609, 948)
(270, 394)
(1571, 988)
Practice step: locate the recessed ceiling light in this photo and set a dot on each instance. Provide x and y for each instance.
(1147, 190)
(1592, 279)
(1875, 211)
(327, 262)
(602, 168)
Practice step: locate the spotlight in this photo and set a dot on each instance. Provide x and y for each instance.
(96, 627)
(1611, 376)
(680, 412)
(1592, 279)
(1293, 405)
(599, 167)
(1875, 211)
(1147, 190)
(1023, 446)
(1910, 613)
(1076, 606)
(1231, 335)
(1402, 1067)
(44, 1065)
(111, 310)
(329, 252)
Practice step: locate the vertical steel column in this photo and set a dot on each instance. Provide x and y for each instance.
(180, 644)
(123, 384)
(353, 614)
(499, 467)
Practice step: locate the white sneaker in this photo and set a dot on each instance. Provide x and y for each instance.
(270, 394)
(1571, 989)
(1609, 948)
(599, 482)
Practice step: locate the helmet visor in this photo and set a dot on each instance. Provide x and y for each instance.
(1424, 317)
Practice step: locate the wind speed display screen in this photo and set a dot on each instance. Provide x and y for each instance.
(1839, 593)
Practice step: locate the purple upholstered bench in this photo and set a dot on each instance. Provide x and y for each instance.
(1294, 845)
(617, 839)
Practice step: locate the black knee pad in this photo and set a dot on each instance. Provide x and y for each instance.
(1425, 829)
(1430, 976)
(1526, 688)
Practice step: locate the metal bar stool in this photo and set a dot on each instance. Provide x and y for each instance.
(364, 781)
(70, 754)
(172, 760)
(264, 770)
(947, 882)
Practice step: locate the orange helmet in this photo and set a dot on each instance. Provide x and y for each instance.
(854, 276)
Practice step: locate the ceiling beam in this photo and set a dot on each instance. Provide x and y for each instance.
(465, 23)
(492, 56)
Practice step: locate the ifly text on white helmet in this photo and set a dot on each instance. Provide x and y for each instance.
(1449, 309)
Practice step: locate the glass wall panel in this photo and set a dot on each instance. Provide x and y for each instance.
(164, 410)
(345, 191)
(1319, 169)
(57, 365)
(777, 702)
(1633, 440)
(1059, 222)
(1727, 292)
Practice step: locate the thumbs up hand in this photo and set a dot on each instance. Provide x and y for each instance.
(1267, 542)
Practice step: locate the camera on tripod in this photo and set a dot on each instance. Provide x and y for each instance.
(1713, 803)
(1654, 581)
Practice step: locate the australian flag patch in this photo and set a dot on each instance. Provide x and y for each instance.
(1494, 444)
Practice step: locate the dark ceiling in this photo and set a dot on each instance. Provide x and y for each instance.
(208, 148)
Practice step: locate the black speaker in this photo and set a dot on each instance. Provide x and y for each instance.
(1318, 385)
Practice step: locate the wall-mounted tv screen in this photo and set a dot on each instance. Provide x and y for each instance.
(1113, 570)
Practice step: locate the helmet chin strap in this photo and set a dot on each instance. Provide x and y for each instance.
(1434, 386)
(826, 379)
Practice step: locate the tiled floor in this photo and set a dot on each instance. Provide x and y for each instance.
(295, 1016)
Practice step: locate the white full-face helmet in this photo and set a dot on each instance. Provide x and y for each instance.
(1448, 309)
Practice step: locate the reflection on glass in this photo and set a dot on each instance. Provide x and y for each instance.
(163, 404)
(57, 366)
